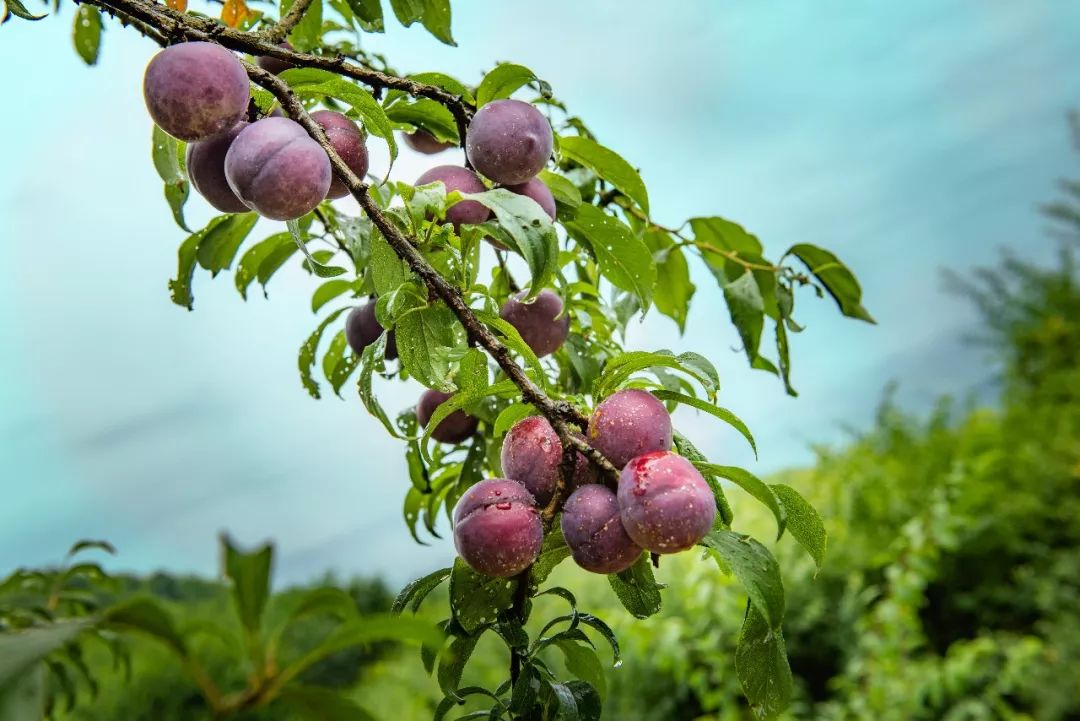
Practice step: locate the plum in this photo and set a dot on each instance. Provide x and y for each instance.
(454, 177)
(274, 65)
(509, 141)
(455, 428)
(628, 423)
(537, 321)
(362, 329)
(348, 141)
(532, 456)
(537, 190)
(277, 169)
(195, 90)
(206, 169)
(594, 531)
(665, 504)
(424, 142)
(497, 528)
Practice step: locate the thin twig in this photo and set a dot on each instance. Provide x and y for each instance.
(281, 29)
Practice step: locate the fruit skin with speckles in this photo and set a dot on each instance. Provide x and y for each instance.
(454, 177)
(537, 321)
(205, 161)
(497, 528)
(277, 169)
(455, 428)
(665, 504)
(532, 456)
(195, 90)
(629, 423)
(362, 329)
(593, 529)
(348, 141)
(509, 141)
(538, 191)
(424, 142)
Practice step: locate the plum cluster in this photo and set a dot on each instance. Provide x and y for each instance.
(199, 92)
(662, 503)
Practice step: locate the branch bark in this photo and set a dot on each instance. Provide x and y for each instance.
(281, 29)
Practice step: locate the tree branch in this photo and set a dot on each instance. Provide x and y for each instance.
(281, 29)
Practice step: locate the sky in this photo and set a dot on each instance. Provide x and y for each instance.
(906, 137)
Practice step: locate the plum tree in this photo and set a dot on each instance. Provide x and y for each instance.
(205, 162)
(454, 177)
(362, 329)
(455, 428)
(509, 141)
(537, 190)
(424, 142)
(532, 455)
(275, 168)
(602, 255)
(538, 321)
(629, 423)
(194, 90)
(348, 141)
(594, 531)
(665, 504)
(275, 65)
(497, 528)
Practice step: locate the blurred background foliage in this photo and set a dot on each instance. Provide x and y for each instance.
(951, 588)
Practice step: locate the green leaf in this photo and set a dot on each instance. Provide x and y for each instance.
(437, 20)
(604, 630)
(328, 291)
(723, 235)
(388, 271)
(369, 13)
(180, 287)
(762, 666)
(339, 362)
(567, 196)
(553, 551)
(531, 230)
(262, 260)
(637, 589)
(512, 339)
(567, 703)
(619, 369)
(502, 82)
(607, 164)
(370, 359)
(673, 289)
(306, 359)
(86, 33)
(752, 485)
(91, 545)
(511, 415)
(146, 615)
(20, 650)
(476, 599)
(835, 276)
(447, 83)
(307, 35)
(415, 593)
(583, 663)
(722, 413)
(755, 568)
(428, 114)
(589, 705)
(692, 454)
(461, 399)
(221, 242)
(803, 522)
(249, 574)
(167, 153)
(452, 663)
(19, 10)
(300, 238)
(423, 337)
(311, 82)
(624, 258)
(747, 311)
(322, 704)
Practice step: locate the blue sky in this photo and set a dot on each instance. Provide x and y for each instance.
(907, 138)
